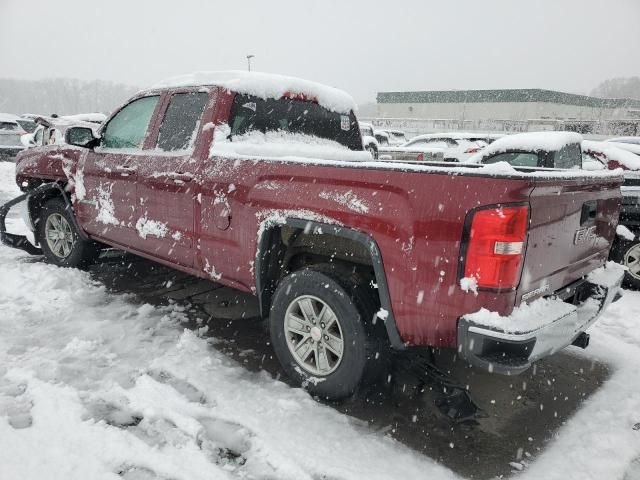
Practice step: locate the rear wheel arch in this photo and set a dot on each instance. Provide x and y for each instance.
(275, 257)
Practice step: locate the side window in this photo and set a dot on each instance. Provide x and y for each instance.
(181, 121)
(129, 126)
(569, 156)
(515, 159)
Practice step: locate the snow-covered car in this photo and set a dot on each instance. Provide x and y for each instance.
(627, 140)
(52, 130)
(12, 128)
(369, 141)
(534, 150)
(396, 137)
(457, 147)
(382, 137)
(626, 246)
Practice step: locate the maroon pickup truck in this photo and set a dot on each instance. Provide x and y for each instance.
(260, 183)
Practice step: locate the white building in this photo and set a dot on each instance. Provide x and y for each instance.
(508, 110)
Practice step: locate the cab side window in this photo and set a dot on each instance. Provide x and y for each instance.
(569, 156)
(128, 128)
(181, 121)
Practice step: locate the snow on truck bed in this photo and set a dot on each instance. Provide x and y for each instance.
(296, 148)
(265, 85)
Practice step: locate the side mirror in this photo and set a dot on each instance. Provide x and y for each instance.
(27, 140)
(80, 137)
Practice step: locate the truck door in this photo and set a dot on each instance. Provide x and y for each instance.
(107, 205)
(167, 181)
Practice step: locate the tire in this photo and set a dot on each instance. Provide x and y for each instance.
(350, 314)
(72, 251)
(627, 253)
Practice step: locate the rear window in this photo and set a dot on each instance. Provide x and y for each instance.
(516, 159)
(250, 113)
(570, 156)
(8, 126)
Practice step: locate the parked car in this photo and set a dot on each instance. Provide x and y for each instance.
(396, 137)
(12, 127)
(534, 150)
(369, 141)
(52, 130)
(457, 147)
(627, 140)
(626, 246)
(257, 182)
(382, 138)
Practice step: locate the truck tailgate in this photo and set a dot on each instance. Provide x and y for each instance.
(572, 226)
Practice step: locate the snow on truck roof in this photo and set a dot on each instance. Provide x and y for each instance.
(532, 141)
(265, 85)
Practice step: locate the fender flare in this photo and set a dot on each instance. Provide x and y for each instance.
(366, 240)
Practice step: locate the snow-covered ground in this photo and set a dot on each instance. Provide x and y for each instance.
(95, 385)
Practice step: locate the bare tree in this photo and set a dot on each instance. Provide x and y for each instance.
(64, 96)
(618, 88)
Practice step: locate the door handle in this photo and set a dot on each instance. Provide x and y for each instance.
(126, 168)
(180, 176)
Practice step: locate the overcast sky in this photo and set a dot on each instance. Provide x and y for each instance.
(360, 46)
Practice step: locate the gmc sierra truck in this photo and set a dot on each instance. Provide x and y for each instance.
(260, 183)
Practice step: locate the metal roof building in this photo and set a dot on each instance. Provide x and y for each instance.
(511, 110)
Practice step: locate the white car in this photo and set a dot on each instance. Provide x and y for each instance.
(396, 137)
(51, 130)
(456, 147)
(369, 141)
(12, 128)
(630, 144)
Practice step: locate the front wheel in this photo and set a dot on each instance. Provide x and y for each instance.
(627, 253)
(321, 333)
(59, 239)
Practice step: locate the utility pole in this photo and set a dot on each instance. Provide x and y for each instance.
(249, 57)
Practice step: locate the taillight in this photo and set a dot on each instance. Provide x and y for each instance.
(472, 150)
(495, 246)
(420, 157)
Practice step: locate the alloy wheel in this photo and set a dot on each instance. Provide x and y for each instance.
(59, 235)
(314, 335)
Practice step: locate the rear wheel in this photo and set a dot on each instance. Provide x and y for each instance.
(59, 239)
(627, 253)
(322, 334)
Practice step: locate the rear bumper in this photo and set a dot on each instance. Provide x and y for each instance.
(510, 352)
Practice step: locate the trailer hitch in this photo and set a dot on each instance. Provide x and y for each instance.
(20, 241)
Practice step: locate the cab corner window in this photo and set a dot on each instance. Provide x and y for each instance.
(128, 128)
(515, 159)
(181, 121)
